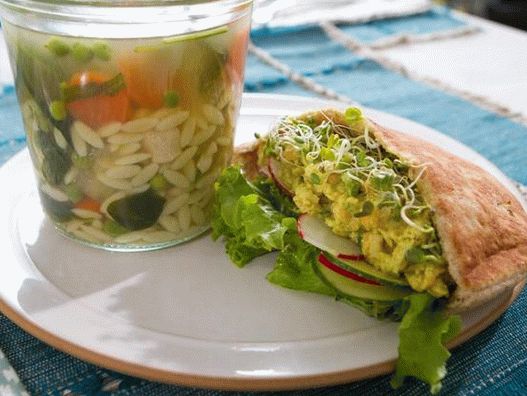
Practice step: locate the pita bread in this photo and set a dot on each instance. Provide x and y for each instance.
(481, 226)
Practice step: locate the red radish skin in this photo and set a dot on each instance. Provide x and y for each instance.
(299, 229)
(341, 271)
(272, 168)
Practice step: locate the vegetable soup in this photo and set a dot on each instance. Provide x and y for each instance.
(127, 136)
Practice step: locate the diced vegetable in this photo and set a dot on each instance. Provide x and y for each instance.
(138, 211)
(102, 51)
(41, 73)
(211, 79)
(58, 111)
(196, 36)
(73, 192)
(236, 56)
(382, 180)
(367, 209)
(58, 47)
(118, 136)
(96, 100)
(171, 99)
(353, 115)
(82, 162)
(82, 53)
(113, 228)
(191, 77)
(88, 84)
(147, 89)
(56, 162)
(89, 204)
(159, 183)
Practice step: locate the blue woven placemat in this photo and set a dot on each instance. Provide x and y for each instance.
(495, 362)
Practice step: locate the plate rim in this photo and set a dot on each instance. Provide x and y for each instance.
(236, 383)
(252, 382)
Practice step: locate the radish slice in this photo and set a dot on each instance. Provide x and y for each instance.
(314, 231)
(341, 271)
(273, 167)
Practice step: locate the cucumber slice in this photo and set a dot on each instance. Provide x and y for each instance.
(181, 38)
(314, 231)
(350, 287)
(369, 271)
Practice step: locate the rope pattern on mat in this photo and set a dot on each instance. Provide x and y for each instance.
(334, 33)
(405, 39)
(368, 52)
(328, 93)
(376, 16)
(298, 78)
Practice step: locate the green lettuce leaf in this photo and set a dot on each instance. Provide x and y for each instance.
(295, 267)
(392, 310)
(422, 335)
(255, 218)
(248, 221)
(281, 202)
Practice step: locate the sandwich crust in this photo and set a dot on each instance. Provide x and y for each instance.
(481, 226)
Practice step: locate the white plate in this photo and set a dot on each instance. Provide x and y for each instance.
(186, 314)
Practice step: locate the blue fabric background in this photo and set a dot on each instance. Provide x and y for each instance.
(493, 363)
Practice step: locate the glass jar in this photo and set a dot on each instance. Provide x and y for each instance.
(129, 109)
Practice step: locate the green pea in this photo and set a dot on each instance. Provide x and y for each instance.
(353, 115)
(82, 162)
(81, 53)
(353, 186)
(415, 255)
(315, 179)
(102, 51)
(73, 192)
(367, 209)
(171, 99)
(113, 228)
(158, 182)
(57, 109)
(58, 47)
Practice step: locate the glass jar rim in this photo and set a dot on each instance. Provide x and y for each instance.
(104, 11)
(75, 9)
(37, 4)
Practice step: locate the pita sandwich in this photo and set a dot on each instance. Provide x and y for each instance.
(479, 224)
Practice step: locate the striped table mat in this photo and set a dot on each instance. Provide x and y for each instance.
(337, 61)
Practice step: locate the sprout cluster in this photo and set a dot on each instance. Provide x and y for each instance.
(350, 151)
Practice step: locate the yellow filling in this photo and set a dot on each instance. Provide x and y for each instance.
(383, 236)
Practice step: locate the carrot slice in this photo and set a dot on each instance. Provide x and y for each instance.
(89, 204)
(145, 87)
(236, 56)
(98, 110)
(150, 76)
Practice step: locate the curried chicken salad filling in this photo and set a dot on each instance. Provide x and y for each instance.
(340, 174)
